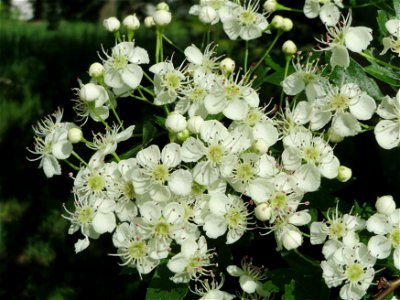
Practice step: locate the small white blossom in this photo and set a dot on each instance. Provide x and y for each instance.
(329, 12)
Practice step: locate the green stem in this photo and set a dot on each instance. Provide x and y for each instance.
(148, 77)
(115, 113)
(314, 263)
(76, 168)
(283, 7)
(172, 44)
(78, 157)
(246, 56)
(378, 61)
(116, 156)
(288, 59)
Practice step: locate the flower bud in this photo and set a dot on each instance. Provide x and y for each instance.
(75, 135)
(287, 24)
(183, 135)
(149, 22)
(385, 205)
(162, 6)
(344, 173)
(194, 124)
(270, 5)
(263, 212)
(277, 22)
(289, 47)
(208, 15)
(96, 70)
(175, 122)
(162, 18)
(227, 65)
(111, 24)
(291, 239)
(131, 22)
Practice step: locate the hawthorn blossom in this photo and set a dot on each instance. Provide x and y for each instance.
(352, 267)
(243, 21)
(328, 12)
(392, 42)
(387, 230)
(344, 37)
(387, 131)
(212, 291)
(155, 176)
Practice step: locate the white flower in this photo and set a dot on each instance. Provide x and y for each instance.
(387, 131)
(227, 213)
(329, 12)
(208, 10)
(309, 158)
(156, 171)
(243, 22)
(231, 97)
(387, 230)
(212, 291)
(343, 37)
(352, 266)
(122, 70)
(191, 262)
(201, 63)
(133, 248)
(392, 42)
(167, 82)
(215, 153)
(93, 216)
(344, 106)
(250, 276)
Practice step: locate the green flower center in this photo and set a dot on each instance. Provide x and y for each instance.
(120, 62)
(336, 230)
(355, 272)
(215, 153)
(197, 94)
(198, 189)
(137, 249)
(85, 215)
(247, 18)
(279, 201)
(129, 190)
(339, 102)
(232, 91)
(161, 229)
(96, 183)
(234, 218)
(311, 154)
(395, 237)
(244, 172)
(252, 118)
(160, 173)
(172, 81)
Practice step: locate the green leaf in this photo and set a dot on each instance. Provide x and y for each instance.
(382, 18)
(161, 288)
(386, 75)
(356, 74)
(289, 291)
(149, 131)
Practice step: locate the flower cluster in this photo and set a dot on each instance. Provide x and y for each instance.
(226, 158)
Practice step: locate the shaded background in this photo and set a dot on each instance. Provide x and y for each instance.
(40, 62)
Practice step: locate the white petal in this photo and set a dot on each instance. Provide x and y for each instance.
(139, 56)
(177, 263)
(62, 149)
(234, 270)
(393, 26)
(171, 155)
(180, 182)
(345, 124)
(293, 84)
(51, 166)
(329, 14)
(350, 291)
(81, 245)
(364, 107)
(311, 9)
(194, 55)
(300, 218)
(379, 246)
(330, 169)
(232, 28)
(150, 212)
(189, 248)
(378, 224)
(205, 174)
(247, 284)
(358, 38)
(387, 134)
(219, 203)
(308, 178)
(340, 57)
(214, 226)
(125, 134)
(192, 150)
(236, 109)
(104, 222)
(159, 193)
(396, 257)
(214, 104)
(132, 75)
(317, 236)
(149, 156)
(173, 212)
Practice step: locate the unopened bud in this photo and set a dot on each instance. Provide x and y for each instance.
(75, 135)
(96, 70)
(270, 5)
(227, 65)
(277, 22)
(287, 24)
(162, 6)
(291, 239)
(131, 22)
(385, 205)
(183, 135)
(162, 18)
(111, 24)
(90, 92)
(344, 173)
(175, 122)
(194, 124)
(263, 212)
(289, 47)
(149, 22)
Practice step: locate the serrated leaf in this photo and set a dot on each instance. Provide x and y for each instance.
(356, 74)
(289, 291)
(383, 74)
(382, 18)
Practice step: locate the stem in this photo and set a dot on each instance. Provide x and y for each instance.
(116, 156)
(246, 56)
(283, 7)
(172, 43)
(378, 61)
(314, 263)
(78, 157)
(148, 77)
(76, 168)
(394, 284)
(288, 59)
(116, 114)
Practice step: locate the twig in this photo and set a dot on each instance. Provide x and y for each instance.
(393, 284)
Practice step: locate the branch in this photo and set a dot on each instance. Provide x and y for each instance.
(392, 285)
